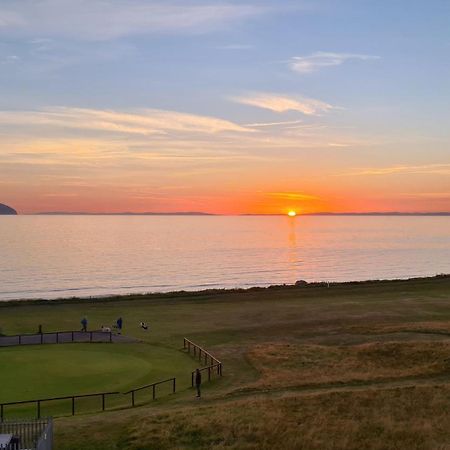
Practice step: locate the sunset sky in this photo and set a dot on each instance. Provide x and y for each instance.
(225, 106)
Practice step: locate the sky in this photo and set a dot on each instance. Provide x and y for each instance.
(225, 106)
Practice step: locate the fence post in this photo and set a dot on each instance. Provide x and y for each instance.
(57, 337)
(103, 402)
(174, 381)
(154, 391)
(90, 336)
(195, 350)
(1, 412)
(73, 406)
(110, 336)
(72, 336)
(192, 379)
(42, 338)
(132, 398)
(209, 373)
(38, 409)
(20, 339)
(184, 343)
(189, 347)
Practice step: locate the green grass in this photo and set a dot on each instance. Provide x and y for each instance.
(318, 367)
(33, 372)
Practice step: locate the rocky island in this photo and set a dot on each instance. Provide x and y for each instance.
(7, 210)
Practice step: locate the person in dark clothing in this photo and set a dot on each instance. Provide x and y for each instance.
(84, 324)
(119, 325)
(198, 381)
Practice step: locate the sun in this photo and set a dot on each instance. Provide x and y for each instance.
(292, 213)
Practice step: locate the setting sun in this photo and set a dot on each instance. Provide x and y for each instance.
(292, 213)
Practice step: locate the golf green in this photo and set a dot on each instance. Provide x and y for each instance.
(41, 371)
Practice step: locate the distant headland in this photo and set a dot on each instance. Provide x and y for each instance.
(7, 210)
(80, 213)
(198, 213)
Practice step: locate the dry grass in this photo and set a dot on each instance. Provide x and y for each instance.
(408, 418)
(439, 328)
(288, 364)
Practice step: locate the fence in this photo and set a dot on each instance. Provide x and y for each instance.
(28, 434)
(153, 387)
(214, 367)
(72, 399)
(102, 396)
(58, 337)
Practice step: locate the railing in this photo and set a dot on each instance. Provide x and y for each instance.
(57, 337)
(153, 387)
(101, 395)
(215, 366)
(29, 434)
(72, 398)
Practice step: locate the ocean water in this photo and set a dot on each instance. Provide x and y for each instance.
(66, 256)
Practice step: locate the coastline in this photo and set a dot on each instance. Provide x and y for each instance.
(205, 293)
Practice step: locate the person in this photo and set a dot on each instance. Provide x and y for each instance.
(119, 325)
(84, 324)
(144, 326)
(198, 381)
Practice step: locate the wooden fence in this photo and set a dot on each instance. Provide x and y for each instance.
(57, 337)
(153, 387)
(72, 398)
(212, 364)
(102, 396)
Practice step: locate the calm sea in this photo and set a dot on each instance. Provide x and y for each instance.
(65, 256)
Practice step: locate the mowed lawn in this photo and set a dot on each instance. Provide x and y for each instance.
(347, 366)
(42, 371)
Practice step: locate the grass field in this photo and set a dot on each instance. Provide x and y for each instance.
(356, 366)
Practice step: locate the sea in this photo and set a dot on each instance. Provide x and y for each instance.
(88, 256)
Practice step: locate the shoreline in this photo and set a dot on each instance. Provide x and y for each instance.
(172, 295)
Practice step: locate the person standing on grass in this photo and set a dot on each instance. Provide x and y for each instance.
(84, 324)
(119, 325)
(198, 381)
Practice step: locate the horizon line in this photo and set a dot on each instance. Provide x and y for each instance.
(200, 213)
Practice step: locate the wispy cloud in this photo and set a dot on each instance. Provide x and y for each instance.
(144, 122)
(438, 169)
(281, 103)
(274, 124)
(292, 196)
(319, 60)
(110, 19)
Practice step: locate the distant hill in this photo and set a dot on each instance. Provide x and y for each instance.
(7, 210)
(180, 213)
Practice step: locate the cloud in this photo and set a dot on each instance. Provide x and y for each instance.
(280, 103)
(274, 124)
(438, 169)
(141, 122)
(319, 60)
(292, 196)
(111, 19)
